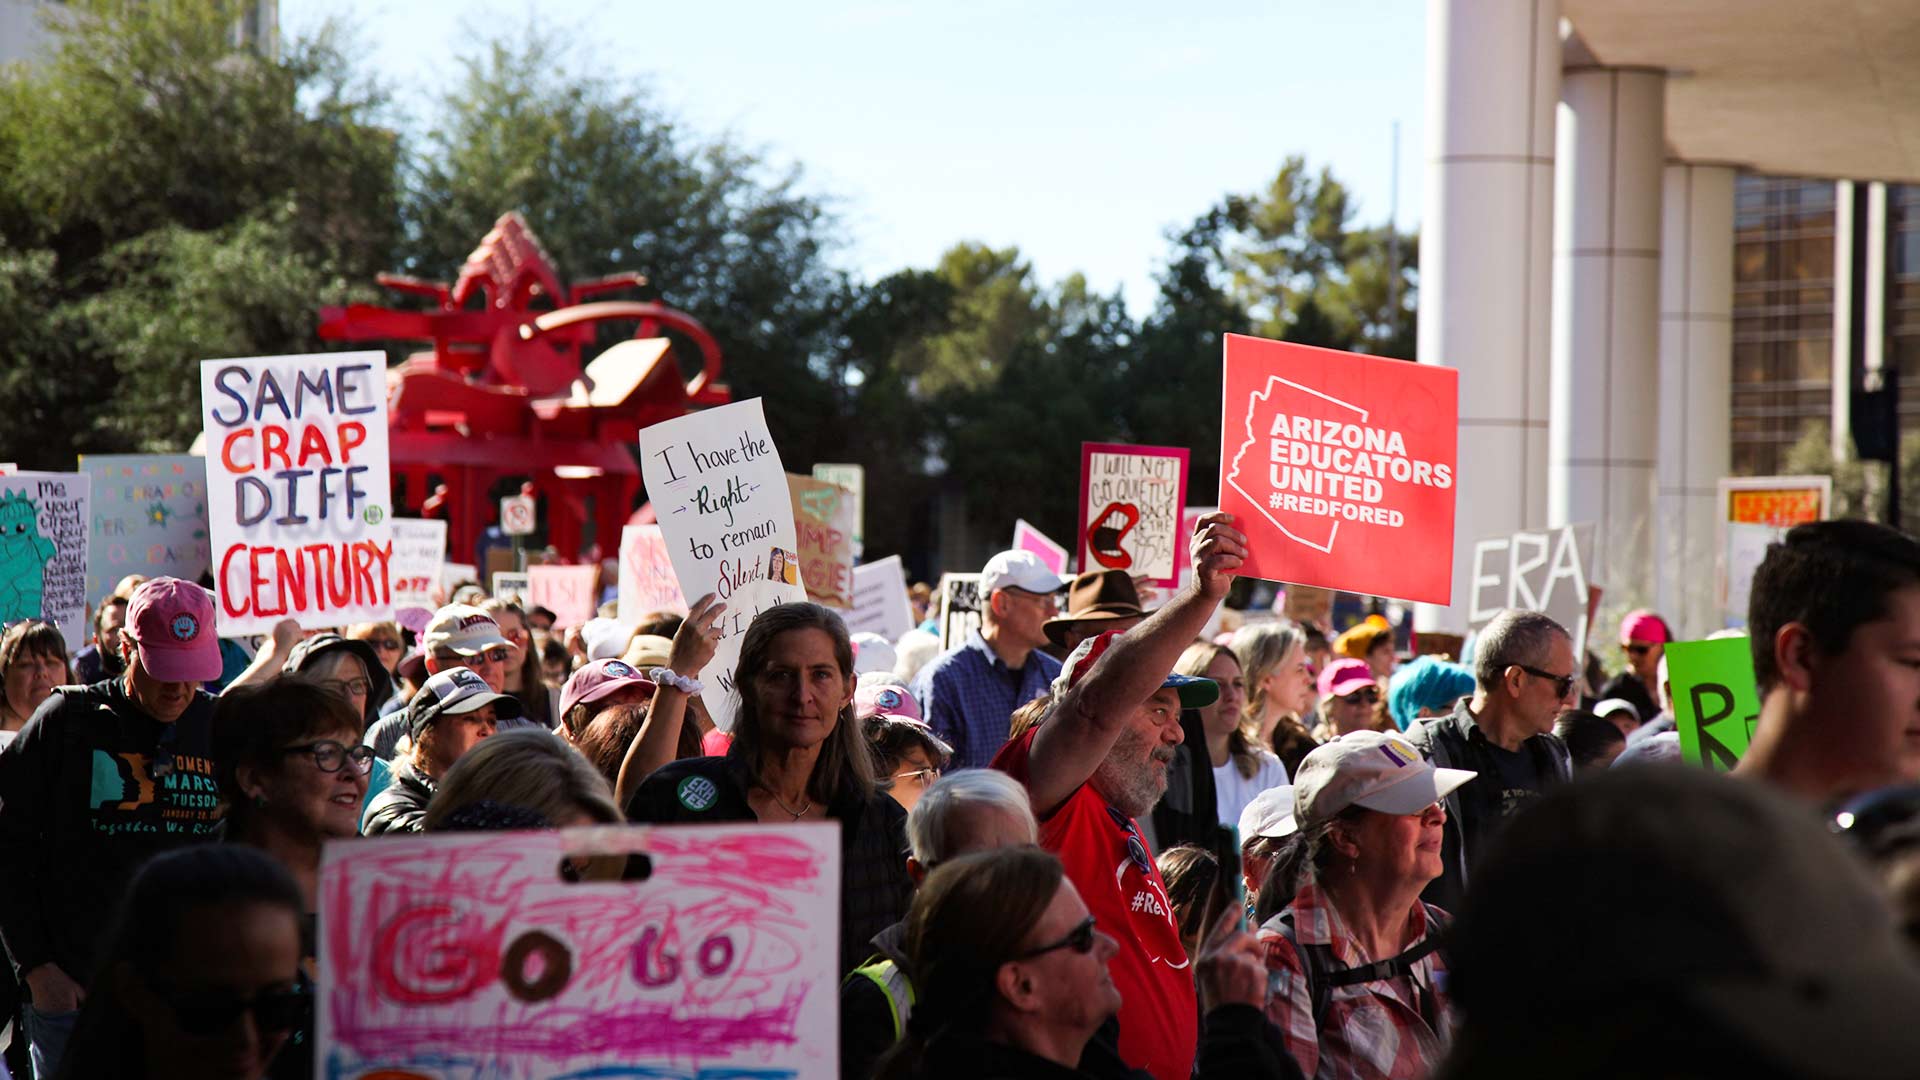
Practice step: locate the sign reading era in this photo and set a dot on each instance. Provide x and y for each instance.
(1340, 468)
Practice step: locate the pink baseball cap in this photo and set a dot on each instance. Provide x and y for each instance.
(1343, 677)
(600, 679)
(884, 698)
(1644, 626)
(172, 623)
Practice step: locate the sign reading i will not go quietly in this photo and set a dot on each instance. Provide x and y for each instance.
(1340, 468)
(467, 954)
(1130, 502)
(297, 489)
(720, 494)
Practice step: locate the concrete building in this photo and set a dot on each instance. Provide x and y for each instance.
(1635, 252)
(25, 35)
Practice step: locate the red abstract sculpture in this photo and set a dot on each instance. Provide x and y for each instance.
(504, 392)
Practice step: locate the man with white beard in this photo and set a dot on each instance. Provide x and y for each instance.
(1098, 759)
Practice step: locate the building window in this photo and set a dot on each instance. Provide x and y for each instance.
(1783, 316)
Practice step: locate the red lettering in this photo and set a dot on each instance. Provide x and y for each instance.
(428, 957)
(227, 591)
(226, 451)
(273, 444)
(254, 555)
(293, 573)
(352, 434)
(313, 442)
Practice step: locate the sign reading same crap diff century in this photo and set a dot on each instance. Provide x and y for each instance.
(297, 489)
(1340, 468)
(1130, 502)
(467, 955)
(721, 497)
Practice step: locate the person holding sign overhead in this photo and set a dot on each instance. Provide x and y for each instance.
(1097, 761)
(798, 755)
(1835, 623)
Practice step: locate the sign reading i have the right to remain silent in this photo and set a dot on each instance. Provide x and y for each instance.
(1340, 468)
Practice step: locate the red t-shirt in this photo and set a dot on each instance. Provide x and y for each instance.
(1159, 1019)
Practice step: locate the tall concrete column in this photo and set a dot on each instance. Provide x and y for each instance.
(1493, 79)
(1696, 369)
(1604, 435)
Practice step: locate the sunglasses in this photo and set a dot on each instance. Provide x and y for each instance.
(1079, 939)
(495, 656)
(385, 644)
(273, 1011)
(1638, 648)
(1136, 851)
(1368, 696)
(330, 756)
(1563, 684)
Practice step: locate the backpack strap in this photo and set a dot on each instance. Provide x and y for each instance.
(1322, 973)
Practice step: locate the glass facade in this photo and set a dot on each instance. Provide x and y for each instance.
(1783, 292)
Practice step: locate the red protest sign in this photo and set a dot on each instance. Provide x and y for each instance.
(1340, 468)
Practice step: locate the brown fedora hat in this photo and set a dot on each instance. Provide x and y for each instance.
(1096, 596)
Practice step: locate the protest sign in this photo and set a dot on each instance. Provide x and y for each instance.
(1130, 503)
(419, 550)
(1755, 511)
(467, 954)
(1546, 570)
(880, 602)
(720, 494)
(854, 479)
(43, 550)
(455, 574)
(567, 591)
(1715, 701)
(960, 603)
(823, 515)
(297, 489)
(149, 517)
(1340, 468)
(1028, 538)
(646, 578)
(515, 586)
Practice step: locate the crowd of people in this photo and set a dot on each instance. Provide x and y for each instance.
(1090, 839)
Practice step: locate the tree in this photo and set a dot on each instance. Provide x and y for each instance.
(141, 155)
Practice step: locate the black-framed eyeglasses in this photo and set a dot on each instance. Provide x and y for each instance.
(356, 685)
(330, 756)
(209, 1014)
(1079, 939)
(1563, 684)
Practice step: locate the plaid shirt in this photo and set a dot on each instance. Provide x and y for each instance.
(968, 696)
(1372, 1031)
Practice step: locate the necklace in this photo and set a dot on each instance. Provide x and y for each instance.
(806, 804)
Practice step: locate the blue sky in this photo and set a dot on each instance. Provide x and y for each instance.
(1078, 132)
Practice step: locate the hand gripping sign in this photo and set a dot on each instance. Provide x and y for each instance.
(1340, 468)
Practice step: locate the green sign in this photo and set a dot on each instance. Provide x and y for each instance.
(1715, 702)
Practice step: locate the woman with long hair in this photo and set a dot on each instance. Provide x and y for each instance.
(530, 769)
(200, 978)
(1273, 659)
(526, 670)
(33, 660)
(797, 755)
(1242, 767)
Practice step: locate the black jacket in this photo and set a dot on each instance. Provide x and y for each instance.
(403, 806)
(866, 1015)
(874, 887)
(1473, 809)
(1236, 1043)
(91, 788)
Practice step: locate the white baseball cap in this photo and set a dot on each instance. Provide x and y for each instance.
(1372, 769)
(1269, 814)
(463, 629)
(1019, 570)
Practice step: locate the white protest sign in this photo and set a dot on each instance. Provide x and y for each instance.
(647, 583)
(43, 550)
(880, 602)
(297, 489)
(1546, 570)
(467, 955)
(149, 517)
(455, 574)
(517, 587)
(1130, 503)
(960, 603)
(854, 479)
(419, 550)
(720, 494)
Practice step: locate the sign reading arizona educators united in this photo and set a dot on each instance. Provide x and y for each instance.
(1340, 468)
(720, 495)
(1130, 503)
(467, 955)
(297, 489)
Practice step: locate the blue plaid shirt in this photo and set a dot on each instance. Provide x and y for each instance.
(968, 696)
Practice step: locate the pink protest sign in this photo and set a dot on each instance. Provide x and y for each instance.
(1028, 538)
(567, 591)
(647, 583)
(467, 954)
